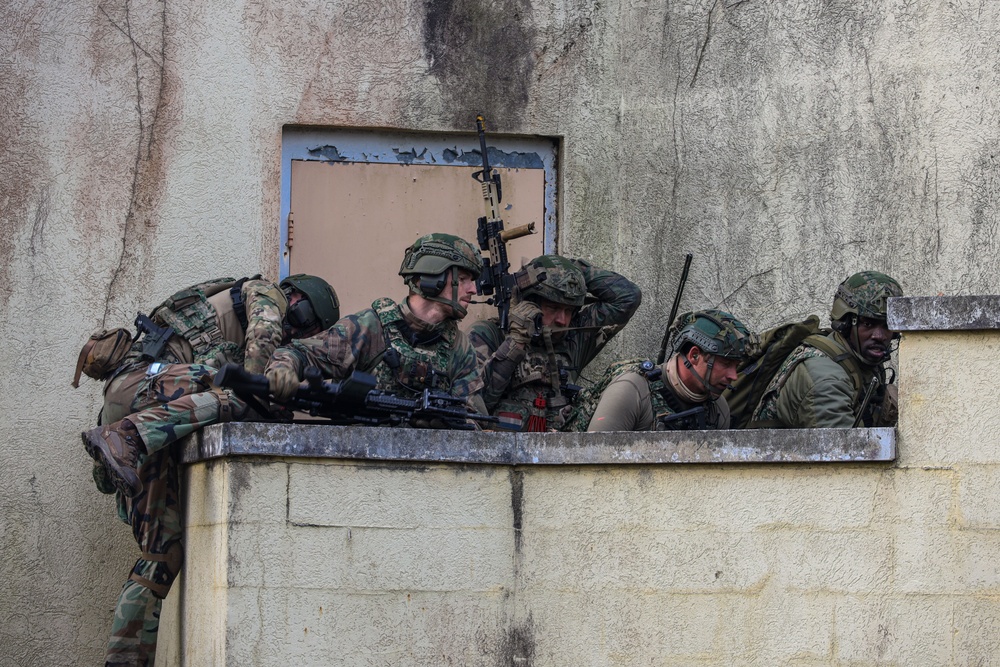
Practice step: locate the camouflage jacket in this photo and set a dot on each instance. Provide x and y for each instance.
(515, 375)
(208, 330)
(405, 353)
(813, 390)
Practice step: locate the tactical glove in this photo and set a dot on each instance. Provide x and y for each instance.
(525, 322)
(284, 382)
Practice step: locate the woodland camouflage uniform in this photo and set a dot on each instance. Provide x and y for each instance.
(389, 341)
(405, 353)
(165, 403)
(518, 377)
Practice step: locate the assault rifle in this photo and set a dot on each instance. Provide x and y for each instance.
(354, 400)
(688, 420)
(673, 309)
(154, 337)
(495, 281)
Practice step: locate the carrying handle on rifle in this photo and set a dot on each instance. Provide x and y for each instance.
(673, 309)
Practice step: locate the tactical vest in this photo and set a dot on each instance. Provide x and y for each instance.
(662, 397)
(533, 378)
(193, 318)
(814, 346)
(409, 366)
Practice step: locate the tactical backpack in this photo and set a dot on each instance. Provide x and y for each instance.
(757, 372)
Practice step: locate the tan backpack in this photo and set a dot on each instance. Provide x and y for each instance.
(102, 354)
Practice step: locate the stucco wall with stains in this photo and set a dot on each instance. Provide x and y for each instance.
(786, 145)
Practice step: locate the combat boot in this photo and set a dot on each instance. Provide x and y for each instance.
(117, 447)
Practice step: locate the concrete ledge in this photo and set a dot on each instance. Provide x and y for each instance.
(391, 444)
(944, 313)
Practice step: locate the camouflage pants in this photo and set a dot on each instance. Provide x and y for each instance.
(164, 408)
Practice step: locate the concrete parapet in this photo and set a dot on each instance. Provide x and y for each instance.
(326, 545)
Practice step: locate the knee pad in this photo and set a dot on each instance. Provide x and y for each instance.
(157, 571)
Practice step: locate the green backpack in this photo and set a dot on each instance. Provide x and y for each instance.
(756, 372)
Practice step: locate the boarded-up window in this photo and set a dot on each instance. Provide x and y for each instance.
(352, 201)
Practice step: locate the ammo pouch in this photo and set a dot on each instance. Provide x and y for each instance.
(102, 354)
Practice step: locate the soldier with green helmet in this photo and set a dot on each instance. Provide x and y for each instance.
(528, 371)
(409, 346)
(157, 396)
(823, 383)
(684, 392)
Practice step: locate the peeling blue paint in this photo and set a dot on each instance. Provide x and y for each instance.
(405, 148)
(498, 158)
(410, 156)
(328, 153)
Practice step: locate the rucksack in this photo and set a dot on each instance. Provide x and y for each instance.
(756, 373)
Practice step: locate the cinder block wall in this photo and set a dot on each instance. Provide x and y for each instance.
(308, 561)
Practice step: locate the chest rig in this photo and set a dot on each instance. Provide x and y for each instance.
(413, 360)
(192, 317)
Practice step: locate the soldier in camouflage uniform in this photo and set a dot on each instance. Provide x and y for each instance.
(149, 404)
(408, 346)
(822, 383)
(552, 337)
(705, 349)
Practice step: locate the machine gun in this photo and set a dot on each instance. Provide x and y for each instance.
(354, 400)
(496, 280)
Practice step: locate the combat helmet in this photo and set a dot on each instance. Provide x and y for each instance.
(563, 281)
(715, 332)
(320, 307)
(864, 294)
(432, 260)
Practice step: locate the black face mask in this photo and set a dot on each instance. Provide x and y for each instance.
(301, 316)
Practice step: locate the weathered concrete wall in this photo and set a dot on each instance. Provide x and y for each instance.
(591, 555)
(786, 144)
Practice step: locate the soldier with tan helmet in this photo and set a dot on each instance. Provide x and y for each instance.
(409, 346)
(682, 393)
(529, 370)
(839, 380)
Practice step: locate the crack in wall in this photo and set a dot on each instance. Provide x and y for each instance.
(145, 141)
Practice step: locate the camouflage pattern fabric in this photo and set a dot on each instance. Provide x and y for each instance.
(832, 385)
(167, 406)
(155, 518)
(865, 294)
(514, 376)
(379, 338)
